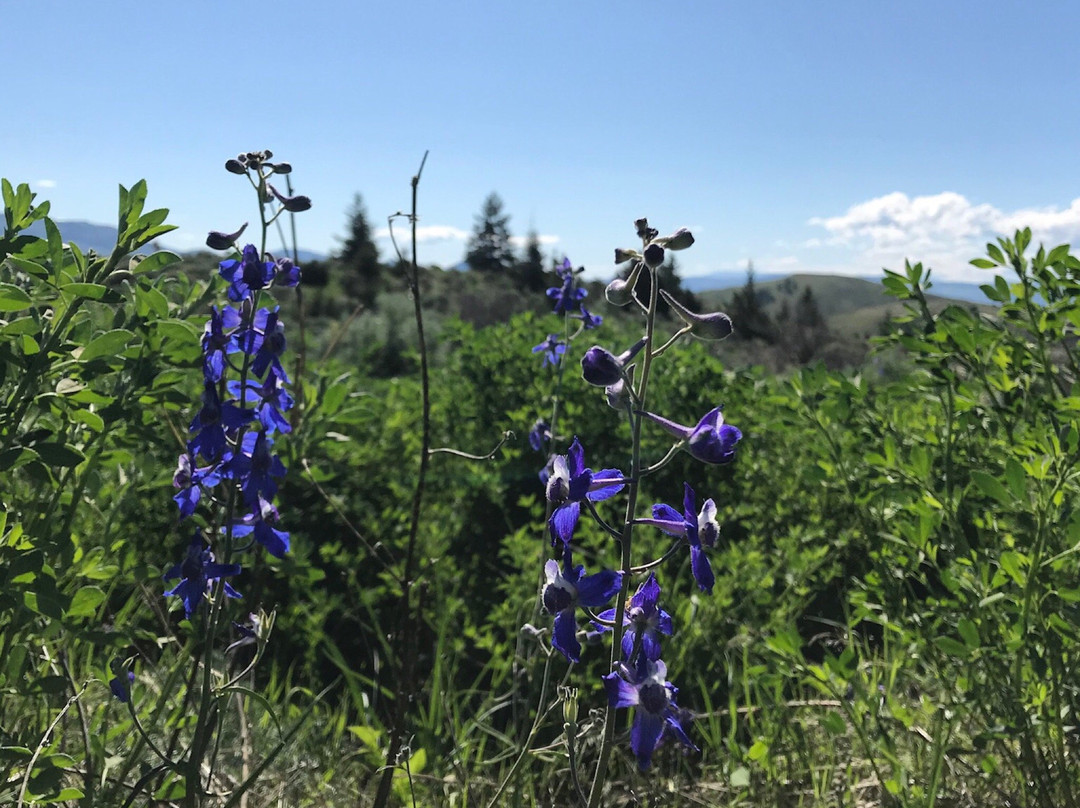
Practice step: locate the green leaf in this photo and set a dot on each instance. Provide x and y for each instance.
(90, 419)
(1013, 564)
(90, 291)
(58, 454)
(994, 252)
(108, 344)
(982, 263)
(833, 723)
(12, 298)
(740, 778)
(758, 750)
(969, 632)
(991, 486)
(85, 602)
(1016, 477)
(952, 647)
(153, 262)
(29, 267)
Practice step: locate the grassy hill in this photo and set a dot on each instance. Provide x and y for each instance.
(852, 307)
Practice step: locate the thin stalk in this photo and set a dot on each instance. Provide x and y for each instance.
(409, 622)
(627, 536)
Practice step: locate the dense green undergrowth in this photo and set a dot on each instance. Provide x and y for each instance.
(894, 619)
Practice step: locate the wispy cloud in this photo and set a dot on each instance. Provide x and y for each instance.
(433, 232)
(545, 241)
(45, 183)
(943, 230)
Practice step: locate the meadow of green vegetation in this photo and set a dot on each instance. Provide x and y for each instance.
(896, 608)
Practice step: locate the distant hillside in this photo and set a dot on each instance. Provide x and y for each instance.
(101, 238)
(851, 306)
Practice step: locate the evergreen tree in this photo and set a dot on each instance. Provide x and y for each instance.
(748, 314)
(530, 272)
(489, 247)
(358, 262)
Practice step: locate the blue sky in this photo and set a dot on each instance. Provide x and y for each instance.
(810, 137)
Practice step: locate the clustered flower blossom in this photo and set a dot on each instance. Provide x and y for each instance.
(638, 679)
(232, 433)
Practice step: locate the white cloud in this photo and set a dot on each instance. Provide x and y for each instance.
(45, 183)
(942, 230)
(433, 232)
(545, 241)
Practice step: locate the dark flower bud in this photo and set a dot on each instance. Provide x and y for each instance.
(235, 167)
(266, 154)
(644, 232)
(713, 326)
(619, 394)
(623, 255)
(679, 240)
(621, 292)
(600, 367)
(224, 241)
(654, 255)
(282, 168)
(293, 204)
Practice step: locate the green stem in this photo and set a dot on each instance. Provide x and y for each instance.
(633, 486)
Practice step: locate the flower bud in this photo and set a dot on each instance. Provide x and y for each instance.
(282, 168)
(293, 204)
(622, 255)
(600, 367)
(217, 240)
(654, 255)
(570, 705)
(620, 292)
(644, 232)
(679, 240)
(235, 167)
(713, 326)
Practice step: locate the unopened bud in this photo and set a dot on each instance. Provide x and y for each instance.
(620, 292)
(679, 240)
(713, 326)
(282, 168)
(624, 255)
(217, 240)
(293, 204)
(569, 705)
(654, 255)
(235, 167)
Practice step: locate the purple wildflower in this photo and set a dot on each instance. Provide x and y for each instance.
(644, 618)
(247, 274)
(553, 349)
(568, 589)
(653, 697)
(198, 572)
(711, 441)
(570, 484)
(699, 528)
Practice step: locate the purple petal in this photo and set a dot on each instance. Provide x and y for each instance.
(563, 521)
(699, 565)
(663, 623)
(689, 504)
(598, 491)
(678, 430)
(575, 459)
(650, 645)
(598, 589)
(644, 735)
(620, 692)
(680, 733)
(564, 637)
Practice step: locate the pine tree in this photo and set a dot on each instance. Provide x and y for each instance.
(358, 262)
(530, 271)
(750, 318)
(489, 248)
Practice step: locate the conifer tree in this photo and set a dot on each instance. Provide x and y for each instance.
(489, 248)
(358, 262)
